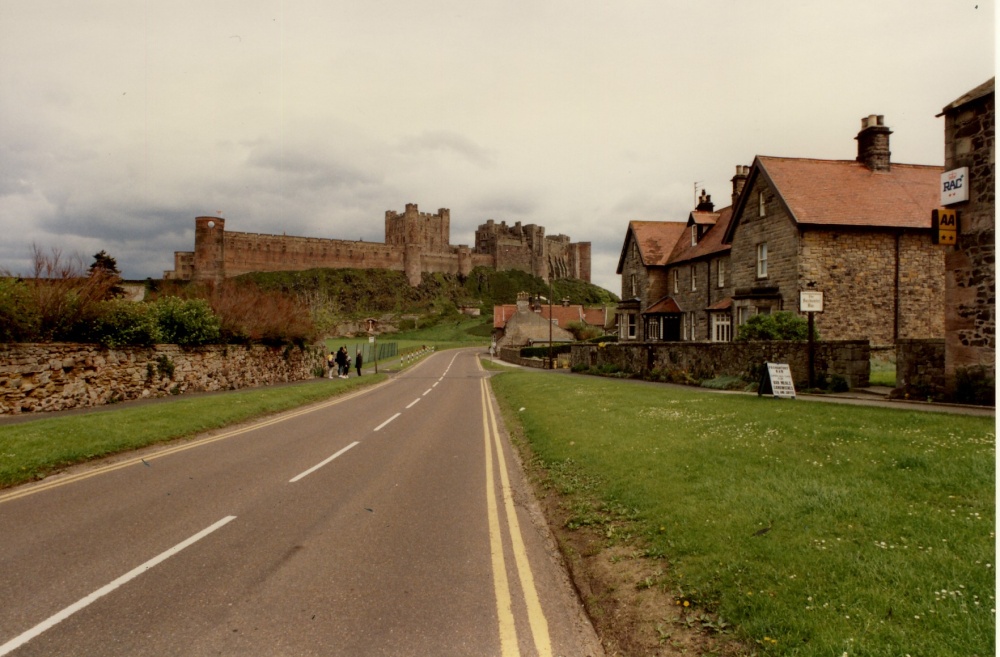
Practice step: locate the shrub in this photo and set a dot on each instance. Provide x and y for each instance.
(782, 325)
(19, 318)
(973, 385)
(186, 321)
(248, 314)
(583, 331)
(120, 323)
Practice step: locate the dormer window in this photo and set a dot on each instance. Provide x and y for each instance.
(694, 234)
(761, 210)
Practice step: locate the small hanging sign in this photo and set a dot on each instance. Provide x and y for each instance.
(776, 379)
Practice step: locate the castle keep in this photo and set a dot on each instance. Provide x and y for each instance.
(415, 242)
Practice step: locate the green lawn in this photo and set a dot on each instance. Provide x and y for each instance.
(31, 450)
(813, 528)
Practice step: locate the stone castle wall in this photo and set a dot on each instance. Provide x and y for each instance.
(415, 243)
(55, 377)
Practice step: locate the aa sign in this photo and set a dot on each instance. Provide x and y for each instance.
(944, 226)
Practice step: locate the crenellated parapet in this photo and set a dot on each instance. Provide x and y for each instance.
(415, 243)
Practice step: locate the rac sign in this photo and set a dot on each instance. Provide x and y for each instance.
(955, 186)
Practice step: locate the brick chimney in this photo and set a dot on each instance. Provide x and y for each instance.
(739, 181)
(705, 203)
(873, 143)
(523, 304)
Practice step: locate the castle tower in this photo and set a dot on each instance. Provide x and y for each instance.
(209, 249)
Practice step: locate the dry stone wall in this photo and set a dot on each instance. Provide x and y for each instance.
(55, 377)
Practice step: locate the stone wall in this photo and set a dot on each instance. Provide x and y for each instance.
(55, 377)
(415, 243)
(920, 369)
(970, 306)
(706, 360)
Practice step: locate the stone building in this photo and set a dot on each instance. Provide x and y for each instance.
(859, 231)
(642, 266)
(970, 266)
(528, 322)
(415, 243)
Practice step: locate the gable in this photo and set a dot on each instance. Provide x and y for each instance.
(654, 239)
(844, 193)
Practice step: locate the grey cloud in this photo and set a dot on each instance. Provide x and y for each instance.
(442, 140)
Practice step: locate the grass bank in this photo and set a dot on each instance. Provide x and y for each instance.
(810, 528)
(32, 450)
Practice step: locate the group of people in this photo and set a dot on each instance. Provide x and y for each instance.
(342, 361)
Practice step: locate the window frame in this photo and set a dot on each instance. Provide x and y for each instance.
(722, 327)
(762, 260)
(694, 278)
(761, 204)
(720, 273)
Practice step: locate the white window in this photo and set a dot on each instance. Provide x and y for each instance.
(762, 260)
(761, 211)
(634, 288)
(684, 326)
(693, 323)
(630, 320)
(722, 327)
(763, 310)
(694, 235)
(720, 272)
(742, 314)
(694, 281)
(653, 329)
(676, 276)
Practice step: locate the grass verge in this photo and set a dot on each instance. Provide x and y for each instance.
(32, 450)
(808, 528)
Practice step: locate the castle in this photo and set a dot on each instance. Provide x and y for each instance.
(415, 242)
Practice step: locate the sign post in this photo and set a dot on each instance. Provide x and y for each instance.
(811, 302)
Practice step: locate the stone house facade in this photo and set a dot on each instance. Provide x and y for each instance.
(415, 243)
(642, 265)
(859, 231)
(970, 278)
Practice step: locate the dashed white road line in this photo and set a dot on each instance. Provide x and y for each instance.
(387, 421)
(321, 464)
(45, 625)
(413, 403)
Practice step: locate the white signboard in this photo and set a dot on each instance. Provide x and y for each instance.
(955, 186)
(778, 381)
(371, 339)
(810, 301)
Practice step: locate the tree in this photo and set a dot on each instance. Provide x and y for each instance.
(106, 267)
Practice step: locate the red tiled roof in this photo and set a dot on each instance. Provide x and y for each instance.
(725, 304)
(656, 239)
(562, 314)
(847, 193)
(710, 243)
(502, 313)
(664, 305)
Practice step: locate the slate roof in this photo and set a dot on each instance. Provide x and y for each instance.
(656, 240)
(847, 193)
(977, 93)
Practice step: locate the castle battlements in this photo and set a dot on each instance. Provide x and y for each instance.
(415, 242)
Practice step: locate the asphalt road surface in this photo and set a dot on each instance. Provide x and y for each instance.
(391, 522)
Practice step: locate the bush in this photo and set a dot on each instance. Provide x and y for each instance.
(973, 385)
(782, 325)
(121, 323)
(186, 321)
(248, 314)
(19, 319)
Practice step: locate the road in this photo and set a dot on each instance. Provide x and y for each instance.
(394, 521)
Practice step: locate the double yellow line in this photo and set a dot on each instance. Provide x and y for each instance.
(536, 618)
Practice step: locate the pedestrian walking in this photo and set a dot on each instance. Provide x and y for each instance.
(331, 361)
(358, 361)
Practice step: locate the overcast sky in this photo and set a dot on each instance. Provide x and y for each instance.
(120, 121)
